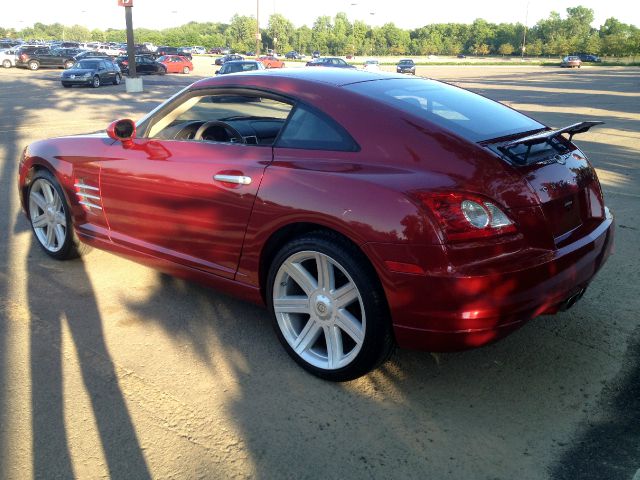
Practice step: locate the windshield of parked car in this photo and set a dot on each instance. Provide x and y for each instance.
(87, 64)
(465, 113)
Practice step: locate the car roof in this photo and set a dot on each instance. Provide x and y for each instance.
(332, 76)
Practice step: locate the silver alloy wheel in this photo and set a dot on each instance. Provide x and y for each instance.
(185, 70)
(118, 79)
(319, 310)
(96, 81)
(34, 65)
(6, 64)
(46, 210)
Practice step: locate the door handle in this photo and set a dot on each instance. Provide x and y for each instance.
(237, 179)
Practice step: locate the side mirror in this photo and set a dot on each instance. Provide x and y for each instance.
(217, 72)
(122, 130)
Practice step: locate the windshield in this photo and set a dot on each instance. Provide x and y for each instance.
(87, 64)
(465, 113)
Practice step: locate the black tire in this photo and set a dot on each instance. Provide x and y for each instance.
(377, 344)
(34, 65)
(66, 85)
(96, 82)
(117, 79)
(71, 247)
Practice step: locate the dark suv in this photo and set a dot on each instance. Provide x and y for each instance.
(44, 57)
(228, 58)
(172, 51)
(585, 57)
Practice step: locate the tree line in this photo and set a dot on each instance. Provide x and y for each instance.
(555, 35)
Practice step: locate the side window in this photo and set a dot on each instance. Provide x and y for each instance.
(312, 130)
(227, 118)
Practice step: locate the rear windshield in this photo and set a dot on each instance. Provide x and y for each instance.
(469, 115)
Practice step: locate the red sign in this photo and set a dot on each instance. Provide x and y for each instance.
(125, 3)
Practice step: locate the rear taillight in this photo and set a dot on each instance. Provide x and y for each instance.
(465, 216)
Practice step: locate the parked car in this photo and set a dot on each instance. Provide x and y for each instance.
(461, 55)
(110, 50)
(269, 61)
(145, 65)
(294, 55)
(228, 58)
(571, 62)
(8, 57)
(91, 54)
(91, 72)
(371, 65)
(43, 58)
(584, 57)
(315, 54)
(161, 51)
(198, 50)
(236, 66)
(176, 64)
(334, 62)
(444, 221)
(406, 65)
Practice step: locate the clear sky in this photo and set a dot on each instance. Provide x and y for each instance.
(404, 13)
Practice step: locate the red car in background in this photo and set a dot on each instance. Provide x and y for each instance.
(443, 222)
(176, 63)
(269, 61)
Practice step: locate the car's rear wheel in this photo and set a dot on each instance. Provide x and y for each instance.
(34, 65)
(96, 82)
(329, 311)
(6, 64)
(51, 219)
(117, 79)
(185, 70)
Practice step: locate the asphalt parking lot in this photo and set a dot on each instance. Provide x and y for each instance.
(108, 368)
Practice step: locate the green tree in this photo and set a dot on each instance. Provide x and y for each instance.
(505, 49)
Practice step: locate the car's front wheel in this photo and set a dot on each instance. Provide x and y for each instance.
(329, 310)
(186, 70)
(51, 219)
(117, 79)
(6, 63)
(96, 82)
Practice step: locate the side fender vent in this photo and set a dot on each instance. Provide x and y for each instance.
(88, 196)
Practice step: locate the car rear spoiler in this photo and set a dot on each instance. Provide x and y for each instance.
(544, 137)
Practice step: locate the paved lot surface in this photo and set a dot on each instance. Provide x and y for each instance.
(110, 369)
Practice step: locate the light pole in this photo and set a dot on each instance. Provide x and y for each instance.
(524, 34)
(258, 36)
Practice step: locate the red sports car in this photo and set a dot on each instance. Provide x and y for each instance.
(269, 61)
(176, 63)
(365, 210)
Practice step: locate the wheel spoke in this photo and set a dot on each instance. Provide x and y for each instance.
(57, 202)
(325, 272)
(47, 192)
(345, 295)
(40, 221)
(297, 304)
(302, 277)
(60, 219)
(39, 199)
(334, 345)
(350, 325)
(307, 337)
(50, 237)
(60, 235)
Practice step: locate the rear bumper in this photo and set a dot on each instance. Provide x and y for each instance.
(444, 311)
